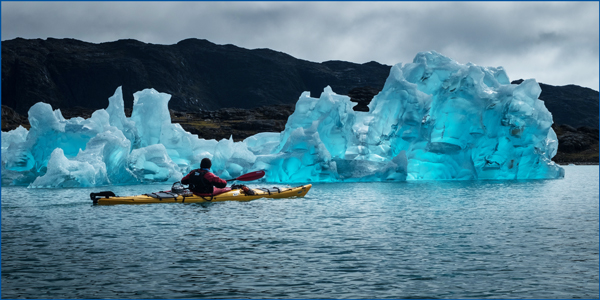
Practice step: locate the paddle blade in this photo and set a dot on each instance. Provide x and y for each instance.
(251, 176)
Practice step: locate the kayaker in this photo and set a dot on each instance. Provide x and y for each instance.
(203, 182)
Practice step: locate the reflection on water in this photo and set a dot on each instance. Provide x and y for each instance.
(517, 239)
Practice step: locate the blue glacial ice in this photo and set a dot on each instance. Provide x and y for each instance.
(435, 119)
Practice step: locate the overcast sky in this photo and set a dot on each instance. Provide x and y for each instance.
(554, 42)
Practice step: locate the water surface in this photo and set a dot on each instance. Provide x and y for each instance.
(512, 239)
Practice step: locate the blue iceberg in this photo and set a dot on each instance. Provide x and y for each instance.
(435, 119)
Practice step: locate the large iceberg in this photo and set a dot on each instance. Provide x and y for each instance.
(435, 119)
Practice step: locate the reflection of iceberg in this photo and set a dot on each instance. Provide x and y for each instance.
(435, 119)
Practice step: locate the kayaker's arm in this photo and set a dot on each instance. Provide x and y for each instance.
(186, 179)
(215, 180)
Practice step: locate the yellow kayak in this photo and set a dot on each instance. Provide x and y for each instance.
(107, 198)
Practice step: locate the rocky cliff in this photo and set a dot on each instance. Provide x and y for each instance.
(198, 74)
(223, 90)
(570, 104)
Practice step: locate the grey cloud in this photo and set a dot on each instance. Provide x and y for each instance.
(555, 41)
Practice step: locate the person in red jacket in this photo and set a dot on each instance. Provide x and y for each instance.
(204, 183)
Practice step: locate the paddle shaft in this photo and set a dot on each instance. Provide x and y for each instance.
(250, 176)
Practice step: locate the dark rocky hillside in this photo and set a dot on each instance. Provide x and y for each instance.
(198, 74)
(570, 104)
(576, 145)
(223, 90)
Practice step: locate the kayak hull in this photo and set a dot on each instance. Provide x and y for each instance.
(233, 195)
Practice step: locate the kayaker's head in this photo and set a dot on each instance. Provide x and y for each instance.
(205, 163)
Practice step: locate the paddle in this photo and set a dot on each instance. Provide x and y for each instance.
(249, 176)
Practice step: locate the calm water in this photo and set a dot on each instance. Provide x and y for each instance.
(526, 239)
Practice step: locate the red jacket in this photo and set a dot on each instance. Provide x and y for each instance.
(201, 181)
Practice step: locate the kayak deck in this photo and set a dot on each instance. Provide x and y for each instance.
(108, 198)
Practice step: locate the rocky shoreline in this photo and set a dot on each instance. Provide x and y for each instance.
(577, 146)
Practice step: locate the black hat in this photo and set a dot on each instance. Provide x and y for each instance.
(205, 163)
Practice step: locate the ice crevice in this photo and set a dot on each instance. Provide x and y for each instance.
(435, 119)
